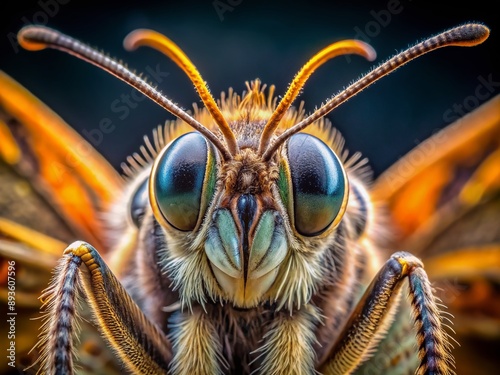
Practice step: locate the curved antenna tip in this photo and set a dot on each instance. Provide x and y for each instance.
(466, 35)
(26, 35)
(483, 32)
(135, 39)
(471, 34)
(369, 52)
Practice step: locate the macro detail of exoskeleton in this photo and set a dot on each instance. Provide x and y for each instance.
(246, 239)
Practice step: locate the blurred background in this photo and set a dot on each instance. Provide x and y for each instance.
(233, 41)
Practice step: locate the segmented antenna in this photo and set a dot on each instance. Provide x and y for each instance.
(39, 37)
(333, 50)
(36, 38)
(163, 44)
(466, 35)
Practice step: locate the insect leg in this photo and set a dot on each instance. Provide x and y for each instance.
(140, 344)
(372, 316)
(395, 354)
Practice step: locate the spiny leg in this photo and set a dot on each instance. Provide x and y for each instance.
(369, 321)
(139, 343)
(396, 353)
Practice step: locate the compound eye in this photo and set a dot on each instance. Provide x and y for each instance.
(319, 184)
(139, 202)
(183, 174)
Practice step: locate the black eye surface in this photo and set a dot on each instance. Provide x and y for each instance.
(318, 184)
(139, 202)
(178, 180)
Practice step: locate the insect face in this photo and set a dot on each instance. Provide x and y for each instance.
(251, 244)
(241, 223)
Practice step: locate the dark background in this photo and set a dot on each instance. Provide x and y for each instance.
(269, 40)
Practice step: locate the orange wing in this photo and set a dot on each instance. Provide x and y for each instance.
(444, 200)
(61, 166)
(459, 164)
(53, 185)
